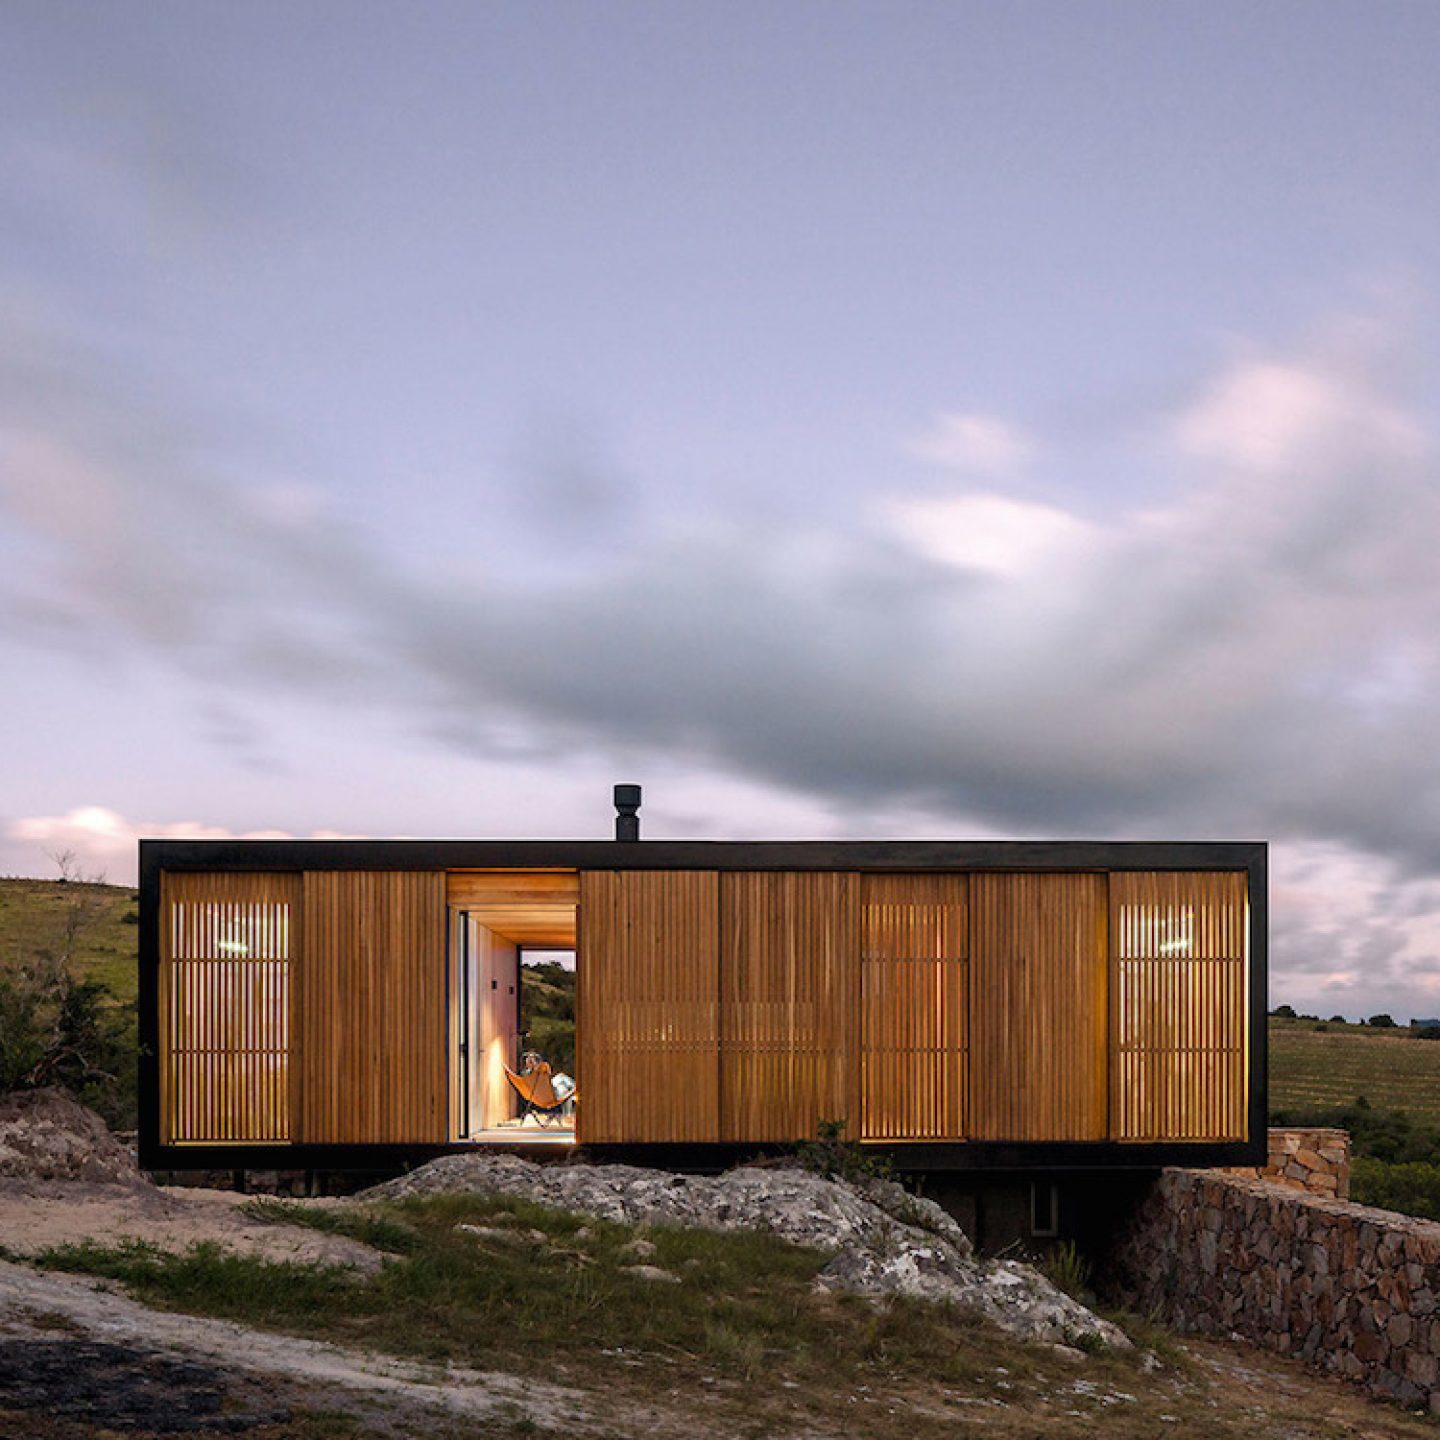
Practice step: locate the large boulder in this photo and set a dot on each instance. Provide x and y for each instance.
(45, 1136)
(881, 1239)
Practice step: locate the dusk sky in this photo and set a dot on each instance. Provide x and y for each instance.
(888, 421)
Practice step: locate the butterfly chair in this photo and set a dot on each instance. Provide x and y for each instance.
(537, 1090)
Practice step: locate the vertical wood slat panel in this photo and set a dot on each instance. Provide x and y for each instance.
(789, 1004)
(229, 947)
(1179, 968)
(648, 1028)
(914, 952)
(372, 1023)
(1038, 1007)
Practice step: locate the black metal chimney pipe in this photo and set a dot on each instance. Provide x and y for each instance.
(627, 802)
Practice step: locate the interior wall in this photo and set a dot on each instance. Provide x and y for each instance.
(494, 982)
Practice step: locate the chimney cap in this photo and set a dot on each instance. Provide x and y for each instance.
(627, 803)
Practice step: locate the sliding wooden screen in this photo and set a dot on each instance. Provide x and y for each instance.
(1037, 1007)
(914, 944)
(648, 1030)
(227, 946)
(371, 1012)
(789, 1004)
(1179, 1004)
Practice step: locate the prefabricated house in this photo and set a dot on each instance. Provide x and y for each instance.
(1010, 1005)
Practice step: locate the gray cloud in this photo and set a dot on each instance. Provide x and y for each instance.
(1259, 656)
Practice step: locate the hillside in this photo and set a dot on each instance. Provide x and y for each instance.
(34, 915)
(1328, 1069)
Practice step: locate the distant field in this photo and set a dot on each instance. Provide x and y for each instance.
(32, 917)
(1312, 1070)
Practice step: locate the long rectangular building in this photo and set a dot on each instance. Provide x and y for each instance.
(334, 1004)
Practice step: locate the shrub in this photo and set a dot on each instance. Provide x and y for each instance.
(1411, 1186)
(1391, 1136)
(1067, 1270)
(830, 1154)
(56, 1029)
(1284, 1012)
(1382, 1021)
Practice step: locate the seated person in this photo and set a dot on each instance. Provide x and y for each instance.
(560, 1085)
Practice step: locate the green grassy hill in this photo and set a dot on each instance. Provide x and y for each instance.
(1329, 1068)
(34, 915)
(68, 977)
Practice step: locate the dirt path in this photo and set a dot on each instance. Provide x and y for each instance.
(28, 1295)
(37, 1216)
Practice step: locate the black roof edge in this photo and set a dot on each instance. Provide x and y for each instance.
(701, 854)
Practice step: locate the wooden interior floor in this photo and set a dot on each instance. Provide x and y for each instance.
(525, 1135)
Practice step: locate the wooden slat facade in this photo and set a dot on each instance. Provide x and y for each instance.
(789, 1004)
(1038, 963)
(372, 1027)
(227, 948)
(1179, 971)
(914, 1003)
(732, 1006)
(648, 1029)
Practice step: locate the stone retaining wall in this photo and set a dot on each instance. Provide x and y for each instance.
(1312, 1159)
(1352, 1290)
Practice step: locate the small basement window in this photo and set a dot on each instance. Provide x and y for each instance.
(1044, 1210)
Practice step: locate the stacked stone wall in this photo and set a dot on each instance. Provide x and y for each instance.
(1352, 1290)
(1313, 1159)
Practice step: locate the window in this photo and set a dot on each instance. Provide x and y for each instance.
(1044, 1210)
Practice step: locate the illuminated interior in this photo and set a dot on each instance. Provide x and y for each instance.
(513, 1083)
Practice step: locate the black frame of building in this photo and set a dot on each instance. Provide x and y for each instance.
(918, 856)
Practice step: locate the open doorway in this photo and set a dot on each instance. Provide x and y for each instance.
(513, 1077)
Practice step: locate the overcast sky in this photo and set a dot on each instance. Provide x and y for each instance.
(845, 420)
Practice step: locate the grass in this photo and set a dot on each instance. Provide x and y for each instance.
(1327, 1069)
(548, 1293)
(745, 1345)
(32, 918)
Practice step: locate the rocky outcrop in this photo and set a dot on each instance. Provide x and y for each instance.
(882, 1240)
(47, 1136)
(1352, 1290)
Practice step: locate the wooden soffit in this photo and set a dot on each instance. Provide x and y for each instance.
(528, 907)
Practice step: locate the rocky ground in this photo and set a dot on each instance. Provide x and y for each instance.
(64, 1179)
(69, 1346)
(81, 1361)
(882, 1240)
